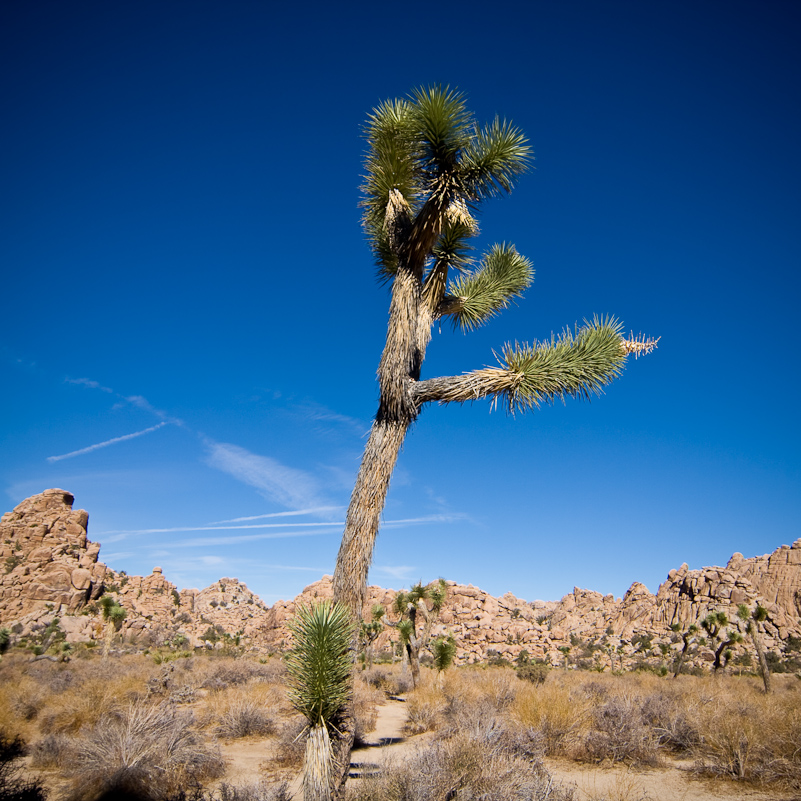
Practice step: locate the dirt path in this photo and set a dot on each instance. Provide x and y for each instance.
(387, 742)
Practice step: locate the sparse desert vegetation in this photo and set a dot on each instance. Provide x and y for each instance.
(170, 729)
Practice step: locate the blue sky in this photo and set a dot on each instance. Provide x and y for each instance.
(191, 322)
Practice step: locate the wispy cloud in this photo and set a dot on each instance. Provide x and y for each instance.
(139, 401)
(319, 413)
(447, 518)
(315, 511)
(105, 444)
(236, 539)
(179, 529)
(275, 481)
(401, 572)
(87, 382)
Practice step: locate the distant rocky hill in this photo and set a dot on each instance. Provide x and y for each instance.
(51, 568)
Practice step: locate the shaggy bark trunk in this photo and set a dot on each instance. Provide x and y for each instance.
(408, 334)
(317, 766)
(364, 513)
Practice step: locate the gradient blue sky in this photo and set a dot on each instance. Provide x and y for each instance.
(190, 322)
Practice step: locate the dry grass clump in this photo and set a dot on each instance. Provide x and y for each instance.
(145, 750)
(391, 679)
(746, 734)
(243, 710)
(217, 673)
(425, 707)
(366, 699)
(556, 710)
(43, 697)
(256, 791)
(471, 764)
(290, 744)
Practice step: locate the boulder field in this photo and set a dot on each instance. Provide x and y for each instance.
(49, 568)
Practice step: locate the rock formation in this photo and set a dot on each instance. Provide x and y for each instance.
(52, 569)
(49, 568)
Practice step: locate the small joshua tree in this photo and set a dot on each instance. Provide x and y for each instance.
(369, 632)
(443, 650)
(752, 620)
(721, 638)
(412, 608)
(320, 687)
(689, 636)
(113, 614)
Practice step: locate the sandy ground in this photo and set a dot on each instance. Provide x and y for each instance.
(673, 782)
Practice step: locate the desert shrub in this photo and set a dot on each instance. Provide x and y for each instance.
(399, 682)
(244, 717)
(559, 715)
(243, 710)
(462, 766)
(258, 791)
(221, 672)
(100, 686)
(535, 672)
(424, 707)
(27, 698)
(366, 699)
(142, 750)
(670, 719)
(746, 734)
(291, 745)
(620, 734)
(377, 677)
(51, 751)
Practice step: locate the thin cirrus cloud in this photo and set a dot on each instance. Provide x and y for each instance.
(105, 444)
(314, 511)
(275, 481)
(400, 572)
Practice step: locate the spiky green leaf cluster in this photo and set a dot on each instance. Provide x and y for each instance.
(319, 665)
(430, 145)
(502, 276)
(443, 650)
(405, 630)
(578, 364)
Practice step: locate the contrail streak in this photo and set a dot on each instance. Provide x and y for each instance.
(105, 444)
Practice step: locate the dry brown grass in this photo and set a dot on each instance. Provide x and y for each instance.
(366, 699)
(726, 724)
(144, 749)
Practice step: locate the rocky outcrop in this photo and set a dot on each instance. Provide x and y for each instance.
(46, 557)
(52, 569)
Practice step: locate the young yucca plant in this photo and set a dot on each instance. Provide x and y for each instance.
(444, 651)
(319, 668)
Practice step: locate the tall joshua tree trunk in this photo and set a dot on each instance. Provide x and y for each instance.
(408, 335)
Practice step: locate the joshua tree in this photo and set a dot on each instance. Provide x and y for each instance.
(443, 649)
(368, 633)
(412, 608)
(428, 169)
(113, 614)
(688, 636)
(753, 621)
(721, 638)
(319, 668)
